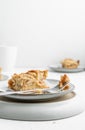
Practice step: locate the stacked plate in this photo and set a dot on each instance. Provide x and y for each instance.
(33, 97)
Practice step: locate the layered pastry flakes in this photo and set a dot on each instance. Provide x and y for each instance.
(33, 79)
(70, 63)
(64, 79)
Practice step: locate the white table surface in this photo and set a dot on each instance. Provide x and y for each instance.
(72, 123)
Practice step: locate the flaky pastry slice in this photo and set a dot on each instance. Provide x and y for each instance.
(70, 63)
(33, 79)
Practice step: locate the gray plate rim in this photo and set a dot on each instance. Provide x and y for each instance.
(39, 97)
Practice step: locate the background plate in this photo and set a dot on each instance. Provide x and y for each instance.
(60, 69)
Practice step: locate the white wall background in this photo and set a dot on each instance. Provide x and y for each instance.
(45, 31)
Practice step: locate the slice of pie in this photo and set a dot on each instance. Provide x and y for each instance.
(64, 79)
(33, 79)
(70, 63)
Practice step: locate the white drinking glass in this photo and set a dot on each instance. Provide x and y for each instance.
(7, 57)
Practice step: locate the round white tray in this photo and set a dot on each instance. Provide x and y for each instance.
(59, 108)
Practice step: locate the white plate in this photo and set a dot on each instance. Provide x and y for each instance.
(41, 97)
(4, 77)
(58, 68)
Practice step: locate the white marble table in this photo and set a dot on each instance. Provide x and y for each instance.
(76, 122)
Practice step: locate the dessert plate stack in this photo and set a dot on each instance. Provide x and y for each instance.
(41, 107)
